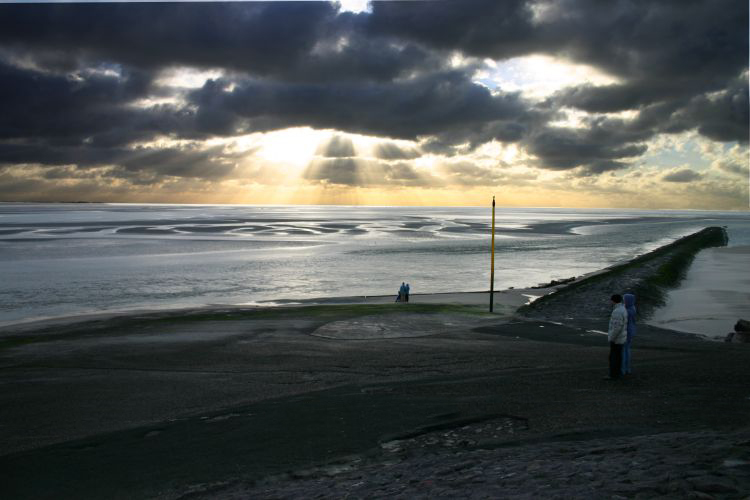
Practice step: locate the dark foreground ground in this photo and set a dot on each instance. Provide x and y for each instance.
(267, 404)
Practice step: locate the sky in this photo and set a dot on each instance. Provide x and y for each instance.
(574, 103)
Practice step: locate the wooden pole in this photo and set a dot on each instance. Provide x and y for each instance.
(492, 260)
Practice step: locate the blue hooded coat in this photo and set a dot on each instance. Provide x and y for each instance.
(629, 300)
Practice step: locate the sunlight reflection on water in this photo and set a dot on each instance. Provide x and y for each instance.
(69, 259)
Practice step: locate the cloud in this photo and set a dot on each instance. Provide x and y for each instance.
(392, 151)
(360, 172)
(337, 147)
(345, 171)
(732, 167)
(682, 175)
(83, 85)
(210, 163)
(426, 105)
(469, 174)
(600, 148)
(477, 27)
(66, 107)
(306, 41)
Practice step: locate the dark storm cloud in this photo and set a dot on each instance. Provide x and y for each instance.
(722, 116)
(599, 147)
(682, 175)
(65, 106)
(614, 98)
(212, 163)
(671, 56)
(158, 34)
(695, 44)
(88, 105)
(404, 109)
(477, 27)
(636, 40)
(463, 139)
(290, 40)
(70, 73)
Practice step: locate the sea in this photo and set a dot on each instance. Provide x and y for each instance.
(63, 260)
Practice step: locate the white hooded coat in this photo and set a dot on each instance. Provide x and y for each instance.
(618, 325)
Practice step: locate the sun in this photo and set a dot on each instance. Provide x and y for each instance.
(355, 6)
(292, 147)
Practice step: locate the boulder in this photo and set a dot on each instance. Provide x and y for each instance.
(742, 325)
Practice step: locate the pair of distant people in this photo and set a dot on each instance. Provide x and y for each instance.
(620, 334)
(403, 293)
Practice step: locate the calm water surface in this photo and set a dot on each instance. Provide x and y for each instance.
(66, 259)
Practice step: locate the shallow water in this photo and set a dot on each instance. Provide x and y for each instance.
(66, 259)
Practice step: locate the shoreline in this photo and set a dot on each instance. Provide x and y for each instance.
(342, 396)
(503, 298)
(690, 294)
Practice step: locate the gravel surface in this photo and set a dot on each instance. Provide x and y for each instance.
(703, 464)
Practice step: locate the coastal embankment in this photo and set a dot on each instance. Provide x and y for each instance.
(649, 277)
(367, 400)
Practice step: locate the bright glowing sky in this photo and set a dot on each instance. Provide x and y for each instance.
(540, 103)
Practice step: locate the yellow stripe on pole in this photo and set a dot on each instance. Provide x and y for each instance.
(492, 259)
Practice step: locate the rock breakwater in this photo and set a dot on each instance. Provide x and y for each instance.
(648, 276)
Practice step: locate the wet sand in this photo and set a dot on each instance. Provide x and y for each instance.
(714, 295)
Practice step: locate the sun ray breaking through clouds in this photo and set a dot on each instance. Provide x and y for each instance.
(572, 103)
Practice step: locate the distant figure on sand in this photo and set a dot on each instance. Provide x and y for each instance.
(401, 293)
(617, 335)
(406, 292)
(629, 300)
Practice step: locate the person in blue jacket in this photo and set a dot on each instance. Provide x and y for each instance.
(401, 293)
(629, 300)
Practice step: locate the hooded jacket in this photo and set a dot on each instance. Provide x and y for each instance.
(629, 300)
(618, 324)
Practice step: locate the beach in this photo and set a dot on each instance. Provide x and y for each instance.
(362, 397)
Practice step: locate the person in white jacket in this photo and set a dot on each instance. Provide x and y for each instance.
(617, 335)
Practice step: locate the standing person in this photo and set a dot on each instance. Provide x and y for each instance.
(629, 300)
(617, 334)
(402, 292)
(406, 290)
